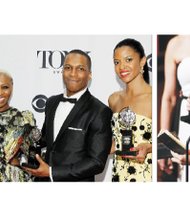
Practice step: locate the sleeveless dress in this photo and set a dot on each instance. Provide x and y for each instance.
(129, 170)
(14, 129)
(183, 74)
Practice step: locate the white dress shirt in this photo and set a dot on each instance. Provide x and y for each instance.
(62, 111)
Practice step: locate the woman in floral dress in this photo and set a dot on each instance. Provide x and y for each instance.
(135, 103)
(15, 128)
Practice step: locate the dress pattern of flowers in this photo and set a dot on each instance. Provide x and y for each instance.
(129, 170)
(15, 127)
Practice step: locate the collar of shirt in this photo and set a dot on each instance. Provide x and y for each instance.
(63, 110)
(76, 95)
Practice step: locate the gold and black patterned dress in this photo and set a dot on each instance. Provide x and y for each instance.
(14, 130)
(129, 170)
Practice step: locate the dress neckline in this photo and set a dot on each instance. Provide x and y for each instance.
(132, 111)
(117, 113)
(6, 110)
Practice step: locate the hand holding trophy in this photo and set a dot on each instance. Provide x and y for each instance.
(21, 151)
(30, 160)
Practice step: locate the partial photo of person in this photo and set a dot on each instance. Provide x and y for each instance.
(77, 127)
(132, 111)
(173, 96)
(15, 128)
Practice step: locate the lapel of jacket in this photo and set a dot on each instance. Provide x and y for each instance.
(51, 116)
(83, 99)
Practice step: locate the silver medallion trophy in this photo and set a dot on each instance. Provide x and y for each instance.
(30, 160)
(126, 118)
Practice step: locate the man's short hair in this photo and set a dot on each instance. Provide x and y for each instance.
(77, 51)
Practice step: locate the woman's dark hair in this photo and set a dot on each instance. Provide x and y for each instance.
(137, 46)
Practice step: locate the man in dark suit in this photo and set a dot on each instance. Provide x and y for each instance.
(78, 135)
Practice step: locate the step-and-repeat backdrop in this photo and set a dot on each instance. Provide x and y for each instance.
(35, 63)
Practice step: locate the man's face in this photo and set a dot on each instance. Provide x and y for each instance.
(76, 73)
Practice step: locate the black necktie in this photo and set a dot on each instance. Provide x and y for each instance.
(63, 99)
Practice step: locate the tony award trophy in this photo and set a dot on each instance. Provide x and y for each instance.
(36, 147)
(126, 118)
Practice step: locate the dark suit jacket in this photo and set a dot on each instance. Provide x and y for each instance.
(83, 143)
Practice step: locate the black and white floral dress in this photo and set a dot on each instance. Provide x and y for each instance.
(15, 127)
(129, 170)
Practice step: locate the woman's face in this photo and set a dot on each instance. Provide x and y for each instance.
(5, 92)
(128, 63)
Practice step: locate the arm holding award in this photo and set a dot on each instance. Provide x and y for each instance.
(17, 135)
(132, 118)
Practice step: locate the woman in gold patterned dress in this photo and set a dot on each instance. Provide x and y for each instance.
(15, 127)
(131, 67)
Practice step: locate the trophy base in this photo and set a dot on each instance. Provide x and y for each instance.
(30, 165)
(31, 161)
(126, 153)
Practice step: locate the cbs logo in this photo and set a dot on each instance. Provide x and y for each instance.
(39, 103)
(149, 62)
